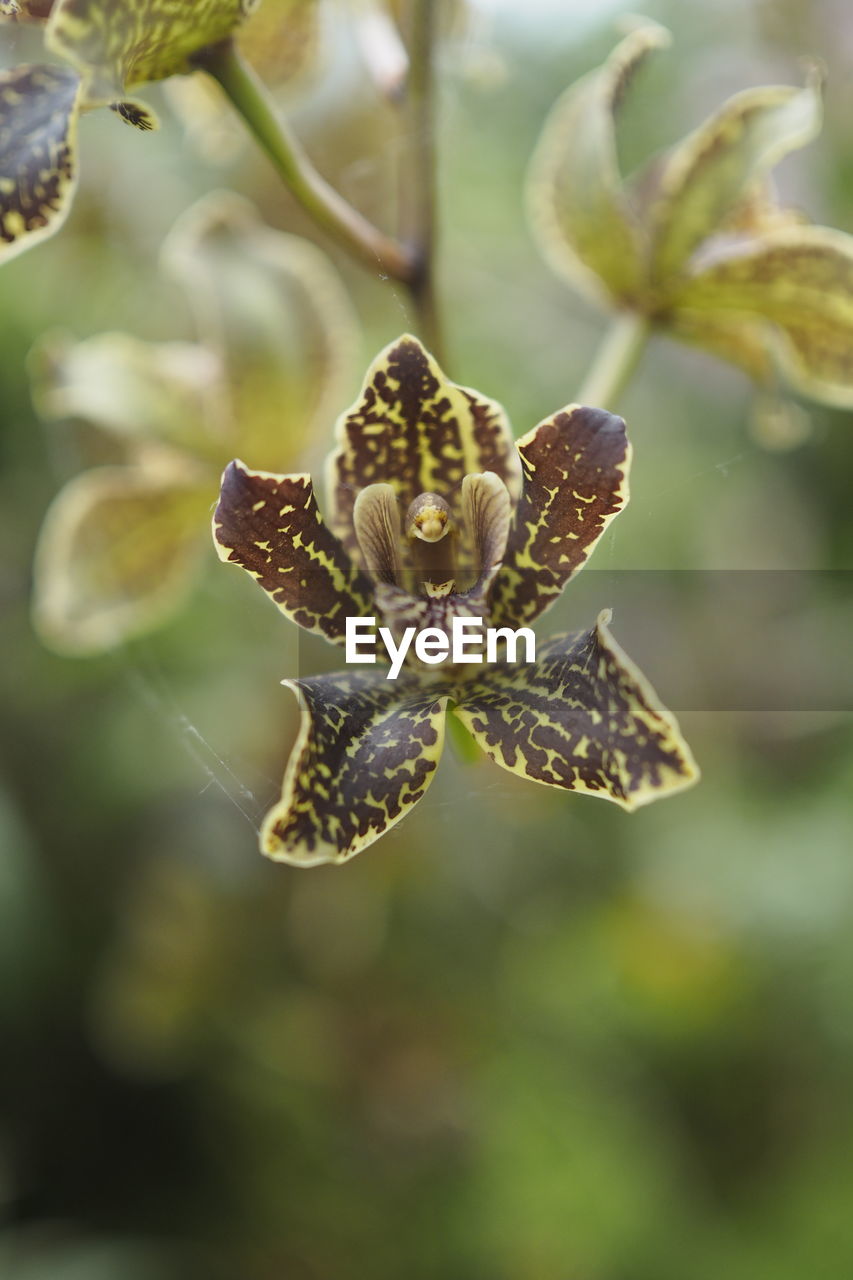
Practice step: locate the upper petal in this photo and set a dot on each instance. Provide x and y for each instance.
(575, 197)
(271, 526)
(800, 279)
(414, 429)
(575, 468)
(367, 750)
(582, 717)
(117, 46)
(713, 169)
(38, 153)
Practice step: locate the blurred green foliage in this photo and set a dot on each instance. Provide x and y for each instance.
(525, 1037)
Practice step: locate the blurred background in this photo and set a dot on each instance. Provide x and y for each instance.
(525, 1036)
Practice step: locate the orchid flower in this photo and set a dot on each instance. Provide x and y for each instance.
(433, 514)
(697, 246)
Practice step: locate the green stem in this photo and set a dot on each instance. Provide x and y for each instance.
(325, 206)
(420, 178)
(617, 358)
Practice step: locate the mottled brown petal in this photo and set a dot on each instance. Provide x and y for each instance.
(271, 526)
(710, 172)
(416, 430)
(367, 750)
(575, 481)
(582, 717)
(38, 153)
(401, 608)
(577, 206)
(798, 280)
(116, 46)
(117, 554)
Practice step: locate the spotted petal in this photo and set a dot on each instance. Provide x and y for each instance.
(271, 526)
(575, 481)
(118, 46)
(707, 175)
(367, 750)
(798, 279)
(118, 550)
(414, 429)
(583, 718)
(38, 153)
(577, 205)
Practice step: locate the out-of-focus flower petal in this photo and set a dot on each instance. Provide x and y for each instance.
(143, 390)
(801, 281)
(414, 429)
(575, 481)
(117, 47)
(274, 310)
(741, 339)
(711, 171)
(367, 750)
(117, 552)
(39, 107)
(577, 206)
(582, 717)
(270, 525)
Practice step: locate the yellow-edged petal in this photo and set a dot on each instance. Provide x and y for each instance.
(367, 750)
(577, 206)
(116, 555)
(583, 718)
(39, 107)
(711, 171)
(799, 280)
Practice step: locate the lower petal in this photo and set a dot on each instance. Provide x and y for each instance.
(582, 717)
(367, 750)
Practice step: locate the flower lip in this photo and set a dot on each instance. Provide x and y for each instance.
(428, 518)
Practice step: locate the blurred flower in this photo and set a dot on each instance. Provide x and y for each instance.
(111, 49)
(122, 544)
(698, 244)
(435, 514)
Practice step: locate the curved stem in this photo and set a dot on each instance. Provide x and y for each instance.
(325, 206)
(616, 360)
(420, 179)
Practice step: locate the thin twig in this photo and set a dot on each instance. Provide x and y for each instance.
(325, 206)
